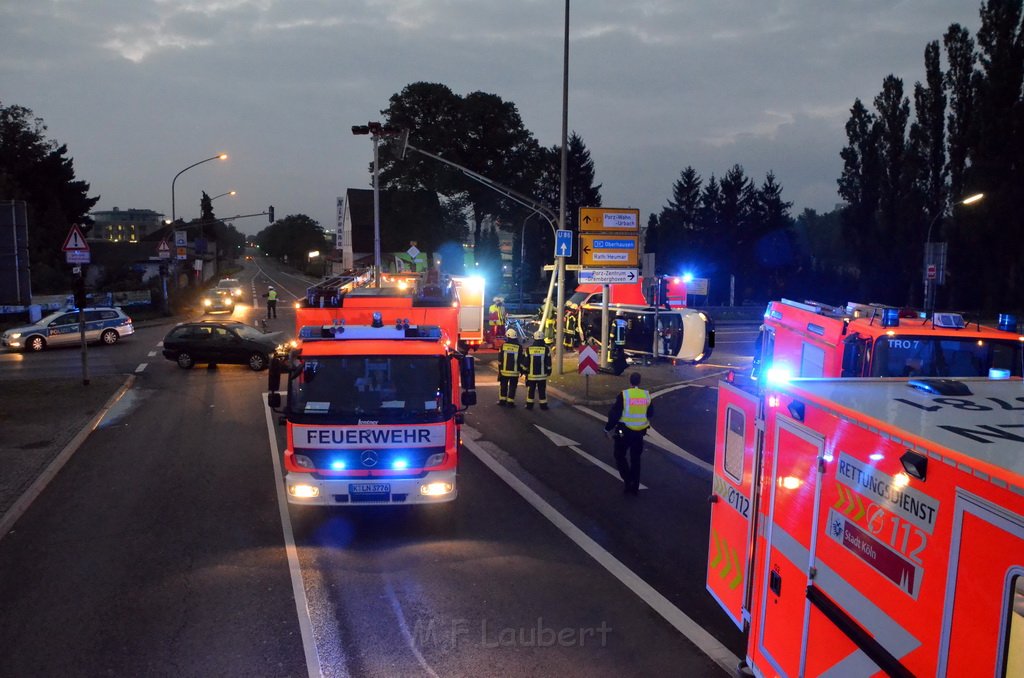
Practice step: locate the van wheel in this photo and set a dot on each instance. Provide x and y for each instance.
(109, 337)
(36, 344)
(185, 361)
(257, 362)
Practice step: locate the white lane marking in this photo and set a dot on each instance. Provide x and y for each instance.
(22, 503)
(404, 626)
(659, 440)
(704, 641)
(561, 441)
(298, 589)
(152, 354)
(141, 368)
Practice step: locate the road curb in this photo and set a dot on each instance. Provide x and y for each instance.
(22, 503)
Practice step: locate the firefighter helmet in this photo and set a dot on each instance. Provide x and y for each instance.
(510, 335)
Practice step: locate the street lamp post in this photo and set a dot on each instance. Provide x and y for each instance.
(223, 194)
(376, 130)
(929, 280)
(220, 156)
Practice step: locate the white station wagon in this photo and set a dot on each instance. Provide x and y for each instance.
(105, 325)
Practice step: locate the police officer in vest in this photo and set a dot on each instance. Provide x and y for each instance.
(271, 296)
(628, 421)
(535, 364)
(508, 369)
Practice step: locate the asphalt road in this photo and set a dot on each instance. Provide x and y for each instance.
(161, 548)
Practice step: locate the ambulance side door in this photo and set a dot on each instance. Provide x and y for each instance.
(983, 619)
(732, 507)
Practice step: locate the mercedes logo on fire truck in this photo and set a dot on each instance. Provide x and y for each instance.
(369, 458)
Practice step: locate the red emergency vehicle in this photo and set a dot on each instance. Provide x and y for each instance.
(631, 294)
(811, 339)
(869, 527)
(375, 397)
(472, 323)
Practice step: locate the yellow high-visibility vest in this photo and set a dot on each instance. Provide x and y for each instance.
(635, 402)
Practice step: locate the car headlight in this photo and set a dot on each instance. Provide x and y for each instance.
(15, 335)
(207, 302)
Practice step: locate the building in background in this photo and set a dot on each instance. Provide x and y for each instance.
(132, 225)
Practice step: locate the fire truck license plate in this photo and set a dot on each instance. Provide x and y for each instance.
(369, 488)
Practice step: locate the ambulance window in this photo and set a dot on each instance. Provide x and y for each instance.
(1013, 664)
(812, 362)
(735, 427)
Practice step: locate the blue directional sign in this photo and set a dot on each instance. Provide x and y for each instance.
(563, 243)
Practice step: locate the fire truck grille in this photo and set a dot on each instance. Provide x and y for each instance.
(370, 460)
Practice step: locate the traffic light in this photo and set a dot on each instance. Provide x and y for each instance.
(270, 214)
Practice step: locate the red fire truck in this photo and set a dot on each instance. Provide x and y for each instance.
(375, 397)
(811, 339)
(868, 527)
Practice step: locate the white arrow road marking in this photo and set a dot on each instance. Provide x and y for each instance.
(659, 440)
(561, 441)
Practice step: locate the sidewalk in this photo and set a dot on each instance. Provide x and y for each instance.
(43, 423)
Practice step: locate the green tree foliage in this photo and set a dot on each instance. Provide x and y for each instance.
(725, 229)
(419, 216)
(986, 259)
(36, 170)
(292, 239)
(974, 145)
(479, 131)
(678, 223)
(580, 191)
(860, 185)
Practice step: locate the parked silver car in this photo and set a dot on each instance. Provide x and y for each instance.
(102, 324)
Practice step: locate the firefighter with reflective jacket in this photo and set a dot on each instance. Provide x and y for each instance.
(628, 421)
(535, 364)
(496, 321)
(508, 369)
(570, 330)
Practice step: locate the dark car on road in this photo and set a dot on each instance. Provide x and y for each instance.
(213, 342)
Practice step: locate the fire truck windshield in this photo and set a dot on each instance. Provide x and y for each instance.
(910, 356)
(382, 389)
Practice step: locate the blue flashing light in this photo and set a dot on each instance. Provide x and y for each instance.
(687, 277)
(1007, 322)
(890, 317)
(400, 464)
(337, 466)
(998, 373)
(779, 374)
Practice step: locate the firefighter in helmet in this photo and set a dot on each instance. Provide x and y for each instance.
(535, 364)
(508, 369)
(570, 330)
(496, 321)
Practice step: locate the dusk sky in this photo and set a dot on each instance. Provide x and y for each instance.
(139, 89)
